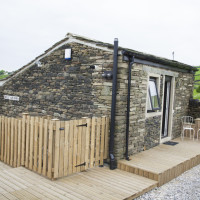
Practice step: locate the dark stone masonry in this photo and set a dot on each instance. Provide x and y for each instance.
(71, 89)
(194, 108)
(61, 88)
(152, 137)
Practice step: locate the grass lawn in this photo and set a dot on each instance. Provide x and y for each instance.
(196, 95)
(3, 76)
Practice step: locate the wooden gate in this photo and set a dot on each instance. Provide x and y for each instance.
(79, 145)
(54, 148)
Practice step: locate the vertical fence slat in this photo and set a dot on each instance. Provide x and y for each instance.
(6, 139)
(44, 169)
(24, 115)
(61, 156)
(15, 129)
(106, 138)
(71, 139)
(40, 145)
(75, 146)
(66, 148)
(97, 146)
(15, 141)
(102, 140)
(87, 142)
(31, 143)
(12, 142)
(83, 144)
(2, 137)
(19, 123)
(92, 144)
(9, 140)
(36, 140)
(50, 149)
(27, 140)
(79, 143)
(57, 150)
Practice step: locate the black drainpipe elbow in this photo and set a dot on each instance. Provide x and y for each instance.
(113, 164)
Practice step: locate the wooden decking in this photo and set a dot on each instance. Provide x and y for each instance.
(163, 163)
(96, 183)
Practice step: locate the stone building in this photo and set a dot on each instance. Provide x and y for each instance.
(67, 83)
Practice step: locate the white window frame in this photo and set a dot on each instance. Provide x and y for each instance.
(157, 78)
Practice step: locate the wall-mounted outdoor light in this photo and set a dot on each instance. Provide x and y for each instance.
(107, 74)
(68, 54)
(38, 63)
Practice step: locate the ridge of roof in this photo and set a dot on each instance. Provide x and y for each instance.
(137, 54)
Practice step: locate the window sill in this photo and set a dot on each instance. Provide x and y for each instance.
(153, 114)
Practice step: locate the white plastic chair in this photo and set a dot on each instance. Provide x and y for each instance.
(198, 134)
(187, 122)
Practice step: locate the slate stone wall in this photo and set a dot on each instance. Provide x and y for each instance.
(194, 108)
(152, 136)
(61, 88)
(71, 89)
(183, 93)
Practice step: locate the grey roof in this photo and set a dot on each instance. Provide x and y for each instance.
(141, 55)
(137, 54)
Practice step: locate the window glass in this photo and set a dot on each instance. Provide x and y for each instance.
(153, 99)
(153, 93)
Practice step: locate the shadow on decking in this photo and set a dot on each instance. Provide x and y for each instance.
(164, 162)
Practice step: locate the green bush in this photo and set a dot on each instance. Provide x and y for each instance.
(198, 89)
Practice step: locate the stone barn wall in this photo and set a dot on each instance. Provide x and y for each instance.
(71, 89)
(194, 108)
(61, 88)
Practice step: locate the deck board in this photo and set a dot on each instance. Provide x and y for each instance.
(96, 183)
(164, 162)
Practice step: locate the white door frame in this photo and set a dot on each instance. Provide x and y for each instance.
(171, 111)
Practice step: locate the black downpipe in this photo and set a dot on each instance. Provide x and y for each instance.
(113, 106)
(131, 62)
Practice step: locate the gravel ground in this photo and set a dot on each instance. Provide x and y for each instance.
(185, 186)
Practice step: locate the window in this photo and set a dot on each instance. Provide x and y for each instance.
(153, 103)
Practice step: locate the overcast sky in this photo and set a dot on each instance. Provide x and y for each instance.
(29, 27)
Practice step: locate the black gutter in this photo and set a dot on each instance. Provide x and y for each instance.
(168, 67)
(130, 58)
(113, 164)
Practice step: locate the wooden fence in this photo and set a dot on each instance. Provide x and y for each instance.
(54, 148)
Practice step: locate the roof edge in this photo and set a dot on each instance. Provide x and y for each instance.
(105, 46)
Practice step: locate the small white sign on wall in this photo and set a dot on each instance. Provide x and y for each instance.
(13, 98)
(68, 54)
